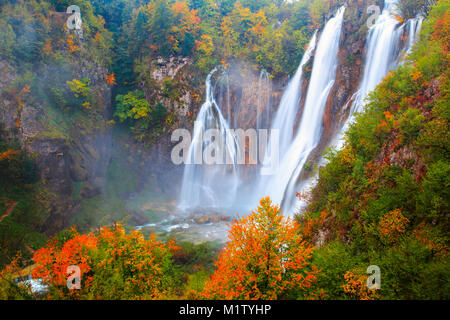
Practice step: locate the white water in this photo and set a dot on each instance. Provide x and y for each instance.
(217, 186)
(382, 56)
(200, 186)
(414, 27)
(287, 111)
(264, 97)
(280, 186)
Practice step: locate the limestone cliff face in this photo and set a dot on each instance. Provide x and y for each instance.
(79, 155)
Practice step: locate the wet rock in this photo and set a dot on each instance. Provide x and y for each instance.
(203, 220)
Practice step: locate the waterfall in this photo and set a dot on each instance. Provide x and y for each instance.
(280, 187)
(220, 186)
(200, 187)
(382, 55)
(285, 117)
(414, 27)
(224, 93)
(284, 120)
(264, 95)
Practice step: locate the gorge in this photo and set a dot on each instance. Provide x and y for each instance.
(229, 149)
(384, 48)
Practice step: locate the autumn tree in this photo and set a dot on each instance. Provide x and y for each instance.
(128, 266)
(266, 258)
(113, 264)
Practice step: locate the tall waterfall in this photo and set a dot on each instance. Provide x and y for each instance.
(285, 117)
(322, 79)
(200, 187)
(284, 120)
(219, 186)
(383, 51)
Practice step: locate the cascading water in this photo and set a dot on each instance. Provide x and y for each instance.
(414, 27)
(383, 51)
(309, 132)
(199, 187)
(383, 43)
(285, 117)
(284, 120)
(263, 107)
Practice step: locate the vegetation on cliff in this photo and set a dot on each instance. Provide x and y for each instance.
(384, 199)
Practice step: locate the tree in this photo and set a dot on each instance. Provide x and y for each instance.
(266, 258)
(132, 106)
(113, 264)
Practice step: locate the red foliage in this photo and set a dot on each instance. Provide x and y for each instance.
(266, 258)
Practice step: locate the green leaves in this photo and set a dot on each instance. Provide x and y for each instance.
(133, 105)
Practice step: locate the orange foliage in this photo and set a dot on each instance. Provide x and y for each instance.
(205, 45)
(356, 286)
(20, 104)
(110, 79)
(392, 224)
(139, 262)
(187, 22)
(8, 154)
(47, 48)
(258, 23)
(266, 258)
(71, 44)
(310, 226)
(53, 260)
(424, 234)
(442, 32)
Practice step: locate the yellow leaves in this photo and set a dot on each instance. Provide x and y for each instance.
(356, 286)
(86, 105)
(225, 26)
(205, 45)
(347, 156)
(258, 22)
(187, 22)
(139, 113)
(241, 11)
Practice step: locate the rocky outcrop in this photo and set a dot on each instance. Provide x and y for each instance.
(79, 155)
(171, 83)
